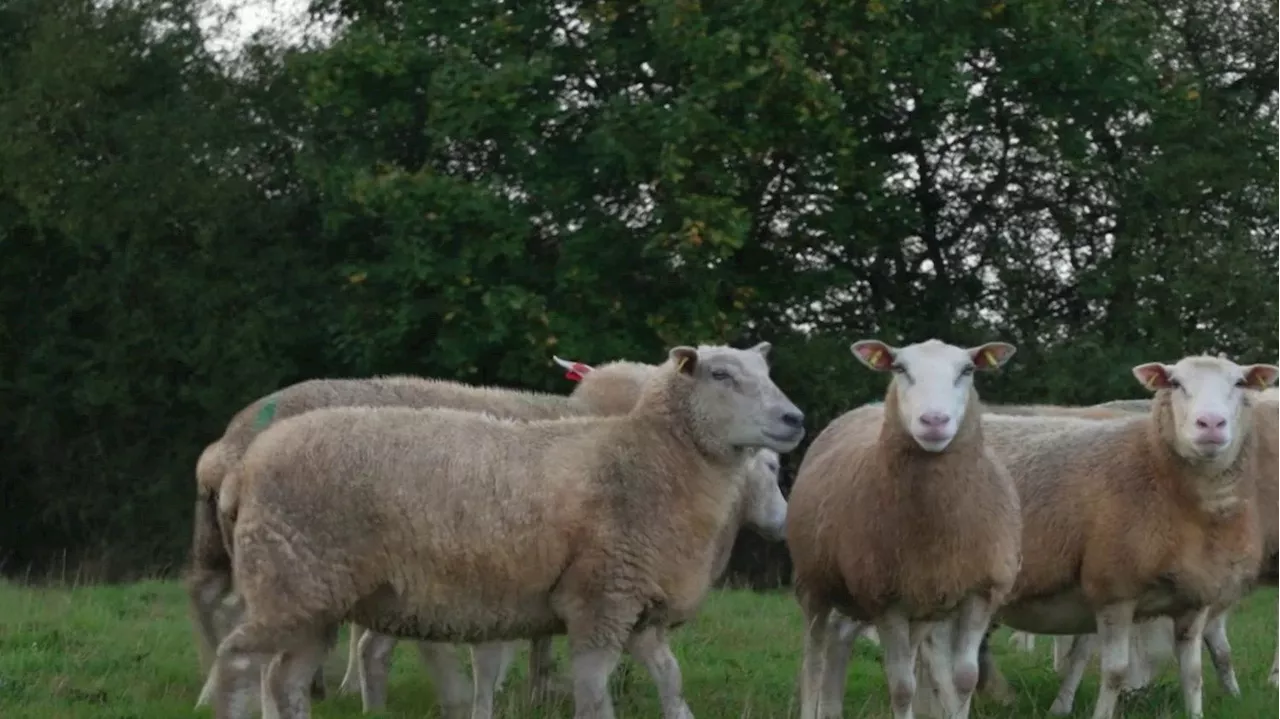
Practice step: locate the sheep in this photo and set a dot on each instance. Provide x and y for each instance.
(1150, 641)
(612, 385)
(1134, 518)
(454, 526)
(762, 507)
(900, 517)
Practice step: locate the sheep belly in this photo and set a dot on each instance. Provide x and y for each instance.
(1069, 613)
(1064, 613)
(458, 614)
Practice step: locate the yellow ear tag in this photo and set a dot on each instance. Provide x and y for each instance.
(989, 357)
(874, 359)
(680, 364)
(1262, 381)
(1151, 382)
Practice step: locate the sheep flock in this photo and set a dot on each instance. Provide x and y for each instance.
(475, 518)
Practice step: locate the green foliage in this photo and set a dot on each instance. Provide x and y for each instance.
(463, 190)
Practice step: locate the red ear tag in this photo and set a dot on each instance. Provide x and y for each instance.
(572, 375)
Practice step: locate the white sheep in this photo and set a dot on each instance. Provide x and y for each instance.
(611, 389)
(761, 507)
(451, 526)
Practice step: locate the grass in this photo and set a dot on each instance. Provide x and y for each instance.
(127, 652)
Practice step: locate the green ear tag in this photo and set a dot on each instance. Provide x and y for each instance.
(265, 415)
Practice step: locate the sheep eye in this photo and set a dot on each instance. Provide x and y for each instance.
(897, 369)
(968, 370)
(1241, 383)
(719, 374)
(1175, 384)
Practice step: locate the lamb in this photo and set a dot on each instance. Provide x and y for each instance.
(761, 507)
(612, 385)
(882, 486)
(452, 526)
(1136, 518)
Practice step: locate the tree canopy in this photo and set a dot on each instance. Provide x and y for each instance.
(462, 190)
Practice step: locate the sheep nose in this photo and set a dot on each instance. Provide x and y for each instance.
(1210, 420)
(795, 420)
(934, 419)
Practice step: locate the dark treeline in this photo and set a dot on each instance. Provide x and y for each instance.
(462, 192)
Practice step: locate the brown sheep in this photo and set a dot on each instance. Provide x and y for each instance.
(899, 516)
(453, 526)
(1075, 651)
(610, 386)
(1140, 517)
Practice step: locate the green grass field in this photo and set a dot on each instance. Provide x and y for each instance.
(127, 652)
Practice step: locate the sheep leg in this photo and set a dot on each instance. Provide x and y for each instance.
(489, 662)
(900, 640)
(351, 678)
(1215, 638)
(841, 635)
(819, 622)
(991, 680)
(938, 655)
(935, 695)
(1188, 633)
(1080, 648)
(288, 677)
(650, 648)
(453, 686)
(1023, 641)
(971, 626)
(592, 666)
(1061, 647)
(544, 685)
(226, 616)
(373, 668)
(1274, 678)
(238, 686)
(1115, 625)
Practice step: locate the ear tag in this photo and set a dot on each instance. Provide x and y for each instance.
(1262, 381)
(1151, 382)
(681, 363)
(989, 357)
(874, 359)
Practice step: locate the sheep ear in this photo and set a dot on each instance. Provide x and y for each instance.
(1153, 375)
(874, 354)
(763, 348)
(686, 358)
(1260, 376)
(992, 355)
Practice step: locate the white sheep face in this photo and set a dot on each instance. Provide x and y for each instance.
(766, 507)
(733, 391)
(1207, 395)
(933, 383)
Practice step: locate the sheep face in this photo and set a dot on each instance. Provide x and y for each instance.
(1207, 398)
(766, 507)
(934, 380)
(733, 396)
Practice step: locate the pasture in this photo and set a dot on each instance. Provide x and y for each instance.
(127, 652)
